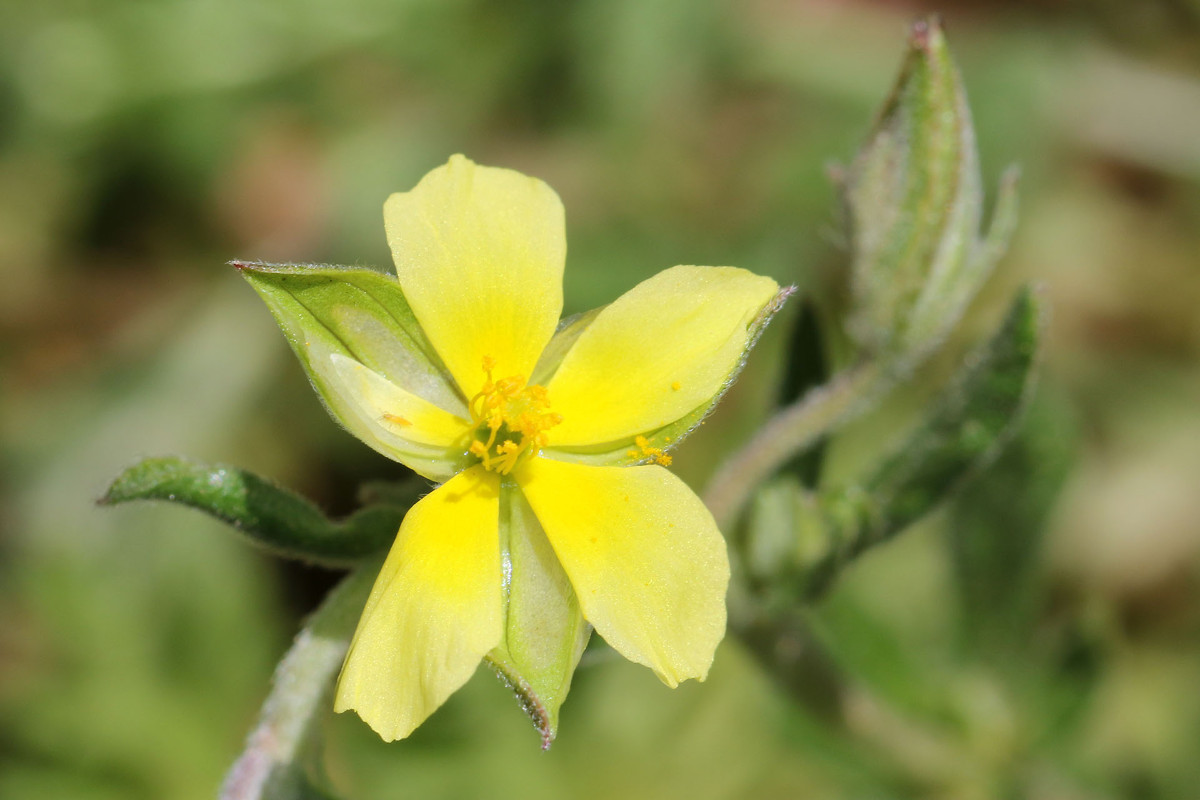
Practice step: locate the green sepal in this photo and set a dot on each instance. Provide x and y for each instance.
(544, 629)
(798, 540)
(568, 332)
(267, 515)
(913, 199)
(362, 315)
(625, 452)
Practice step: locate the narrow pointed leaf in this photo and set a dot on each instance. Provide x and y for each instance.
(997, 527)
(967, 424)
(268, 515)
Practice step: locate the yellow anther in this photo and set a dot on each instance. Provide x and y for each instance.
(522, 411)
(655, 455)
(396, 420)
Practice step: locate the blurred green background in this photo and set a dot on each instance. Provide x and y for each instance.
(1035, 639)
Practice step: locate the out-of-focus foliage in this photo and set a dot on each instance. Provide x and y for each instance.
(1039, 638)
(798, 541)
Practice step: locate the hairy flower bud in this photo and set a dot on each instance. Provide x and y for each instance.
(913, 200)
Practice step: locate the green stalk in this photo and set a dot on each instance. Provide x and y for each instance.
(788, 433)
(282, 756)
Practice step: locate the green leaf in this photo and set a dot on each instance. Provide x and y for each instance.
(996, 529)
(913, 200)
(798, 541)
(268, 516)
(876, 654)
(967, 424)
(544, 629)
(362, 315)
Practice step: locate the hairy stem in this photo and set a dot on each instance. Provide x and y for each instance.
(276, 761)
(788, 433)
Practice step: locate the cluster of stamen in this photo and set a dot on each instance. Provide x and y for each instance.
(509, 419)
(655, 455)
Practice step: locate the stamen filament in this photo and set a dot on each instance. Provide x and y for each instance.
(508, 403)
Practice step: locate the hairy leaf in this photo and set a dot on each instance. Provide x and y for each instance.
(266, 514)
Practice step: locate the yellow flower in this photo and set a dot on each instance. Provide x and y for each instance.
(556, 511)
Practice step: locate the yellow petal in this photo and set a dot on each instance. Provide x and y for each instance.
(646, 559)
(394, 422)
(434, 611)
(660, 351)
(394, 409)
(479, 253)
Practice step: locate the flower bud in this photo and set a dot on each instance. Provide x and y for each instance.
(913, 201)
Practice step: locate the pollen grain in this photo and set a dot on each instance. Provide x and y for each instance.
(521, 411)
(655, 455)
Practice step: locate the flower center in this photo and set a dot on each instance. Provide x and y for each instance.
(509, 420)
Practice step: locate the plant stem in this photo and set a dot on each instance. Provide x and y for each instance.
(787, 434)
(274, 763)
